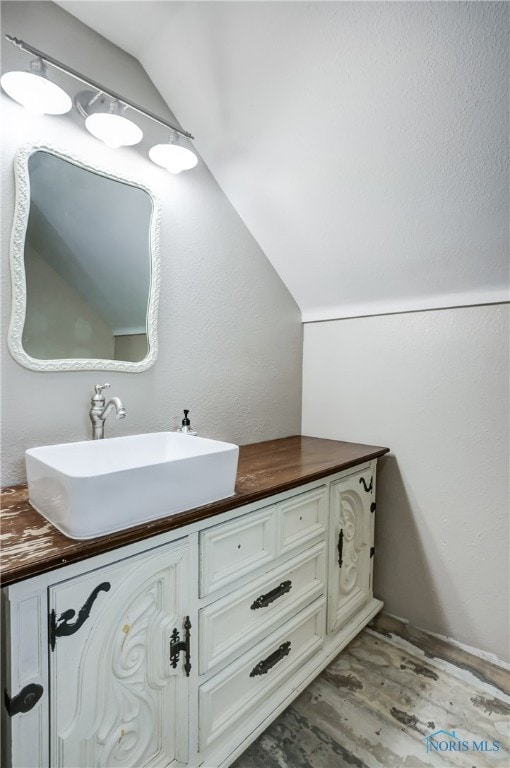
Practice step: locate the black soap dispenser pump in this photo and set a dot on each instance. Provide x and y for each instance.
(185, 427)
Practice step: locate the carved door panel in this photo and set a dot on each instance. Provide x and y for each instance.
(116, 699)
(350, 541)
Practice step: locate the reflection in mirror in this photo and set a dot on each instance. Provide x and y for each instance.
(90, 267)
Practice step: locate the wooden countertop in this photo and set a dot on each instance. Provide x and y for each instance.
(30, 545)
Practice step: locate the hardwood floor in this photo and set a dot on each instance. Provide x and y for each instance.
(379, 703)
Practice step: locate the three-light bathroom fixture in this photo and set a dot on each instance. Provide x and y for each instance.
(104, 110)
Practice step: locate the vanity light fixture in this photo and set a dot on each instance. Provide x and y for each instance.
(105, 119)
(103, 109)
(174, 156)
(35, 92)
(113, 128)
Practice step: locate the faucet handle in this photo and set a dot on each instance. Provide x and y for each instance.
(98, 399)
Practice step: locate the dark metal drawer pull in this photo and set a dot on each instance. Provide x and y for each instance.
(62, 627)
(24, 701)
(263, 667)
(340, 547)
(368, 488)
(264, 600)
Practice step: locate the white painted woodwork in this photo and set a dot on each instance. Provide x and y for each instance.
(241, 737)
(302, 517)
(24, 631)
(111, 698)
(116, 701)
(232, 550)
(234, 694)
(230, 625)
(349, 585)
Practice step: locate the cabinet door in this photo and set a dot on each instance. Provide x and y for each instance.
(350, 542)
(116, 699)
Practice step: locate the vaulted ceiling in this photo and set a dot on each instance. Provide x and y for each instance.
(364, 144)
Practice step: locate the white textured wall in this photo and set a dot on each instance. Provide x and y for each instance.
(230, 334)
(434, 387)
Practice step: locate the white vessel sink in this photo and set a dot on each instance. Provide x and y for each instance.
(96, 487)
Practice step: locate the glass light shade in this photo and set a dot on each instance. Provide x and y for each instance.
(173, 157)
(37, 94)
(114, 130)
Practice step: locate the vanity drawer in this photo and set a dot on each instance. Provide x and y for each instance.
(233, 549)
(232, 696)
(302, 517)
(229, 626)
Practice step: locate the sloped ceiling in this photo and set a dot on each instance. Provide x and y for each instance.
(363, 144)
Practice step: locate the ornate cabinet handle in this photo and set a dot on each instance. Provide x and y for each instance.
(263, 667)
(177, 645)
(24, 701)
(368, 488)
(340, 547)
(264, 600)
(62, 627)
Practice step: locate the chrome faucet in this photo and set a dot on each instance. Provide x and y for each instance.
(99, 411)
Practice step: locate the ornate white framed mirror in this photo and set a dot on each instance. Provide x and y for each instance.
(85, 266)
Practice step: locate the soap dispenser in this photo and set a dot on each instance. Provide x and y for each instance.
(186, 425)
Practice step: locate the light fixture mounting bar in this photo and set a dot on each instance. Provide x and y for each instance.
(93, 84)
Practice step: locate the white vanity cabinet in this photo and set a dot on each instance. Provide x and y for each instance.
(117, 698)
(179, 650)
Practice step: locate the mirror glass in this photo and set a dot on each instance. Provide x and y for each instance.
(88, 264)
